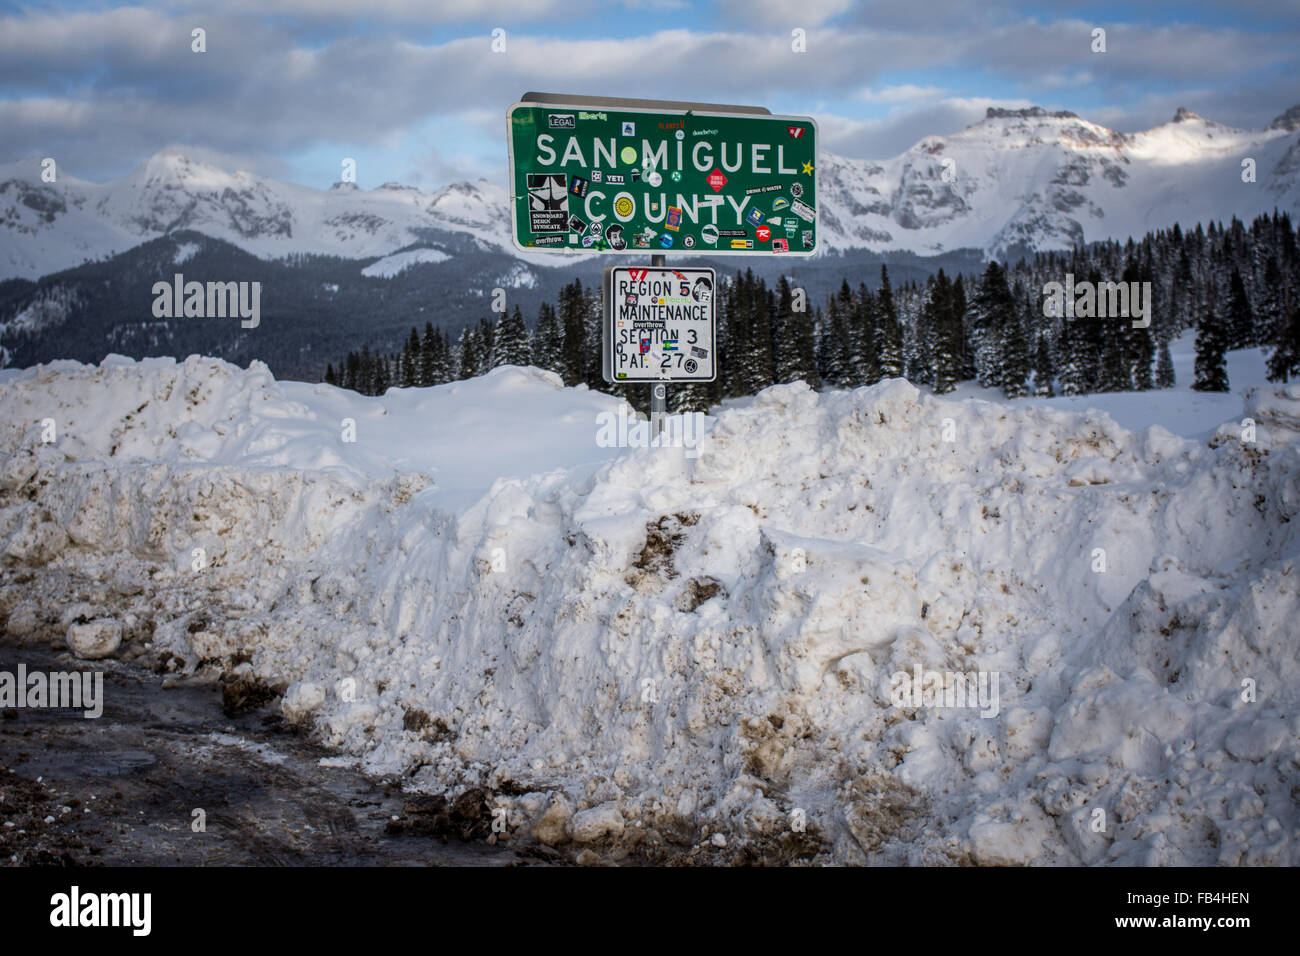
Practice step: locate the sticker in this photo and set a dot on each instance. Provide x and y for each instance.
(680, 134)
(757, 190)
(573, 240)
(803, 210)
(733, 233)
(808, 168)
(780, 245)
(614, 179)
(666, 241)
(689, 242)
(762, 234)
(592, 116)
(628, 155)
(596, 175)
(577, 225)
(716, 180)
(794, 131)
(630, 299)
(709, 234)
(702, 291)
(596, 228)
(640, 241)
(754, 217)
(555, 240)
(742, 243)
(674, 220)
(614, 236)
(791, 227)
(807, 239)
(676, 175)
(624, 206)
(636, 175)
(578, 186)
(774, 220)
(645, 339)
(690, 365)
(796, 190)
(699, 352)
(653, 177)
(588, 240)
(781, 202)
(561, 121)
(629, 129)
(548, 202)
(670, 345)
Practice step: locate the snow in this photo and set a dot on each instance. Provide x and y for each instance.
(643, 642)
(397, 263)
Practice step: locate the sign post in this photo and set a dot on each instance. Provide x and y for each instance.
(610, 176)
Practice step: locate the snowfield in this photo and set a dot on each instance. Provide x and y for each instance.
(670, 647)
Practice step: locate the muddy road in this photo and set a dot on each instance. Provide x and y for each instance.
(124, 788)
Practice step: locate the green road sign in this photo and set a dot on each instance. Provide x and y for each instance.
(648, 179)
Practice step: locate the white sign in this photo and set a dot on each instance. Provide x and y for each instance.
(659, 324)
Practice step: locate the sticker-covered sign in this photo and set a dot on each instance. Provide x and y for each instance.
(659, 324)
(688, 180)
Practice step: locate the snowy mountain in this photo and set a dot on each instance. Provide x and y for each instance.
(1017, 180)
(1032, 179)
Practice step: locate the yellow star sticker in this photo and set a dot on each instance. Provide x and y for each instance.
(807, 169)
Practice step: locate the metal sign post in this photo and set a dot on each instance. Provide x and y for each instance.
(659, 390)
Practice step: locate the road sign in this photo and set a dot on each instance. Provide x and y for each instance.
(659, 324)
(659, 177)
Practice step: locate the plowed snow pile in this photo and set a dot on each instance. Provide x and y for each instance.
(641, 648)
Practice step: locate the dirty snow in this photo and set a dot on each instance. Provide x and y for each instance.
(632, 645)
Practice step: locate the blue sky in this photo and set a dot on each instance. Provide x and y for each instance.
(412, 90)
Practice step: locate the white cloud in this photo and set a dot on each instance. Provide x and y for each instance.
(904, 93)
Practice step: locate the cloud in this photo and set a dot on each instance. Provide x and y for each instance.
(904, 93)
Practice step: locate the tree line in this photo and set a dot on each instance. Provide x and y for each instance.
(1238, 286)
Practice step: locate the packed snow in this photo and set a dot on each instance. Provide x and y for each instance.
(700, 645)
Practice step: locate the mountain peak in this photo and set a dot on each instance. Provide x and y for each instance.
(1288, 121)
(1184, 115)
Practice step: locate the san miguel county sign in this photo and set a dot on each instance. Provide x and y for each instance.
(604, 175)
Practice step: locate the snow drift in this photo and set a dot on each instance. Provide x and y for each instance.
(646, 648)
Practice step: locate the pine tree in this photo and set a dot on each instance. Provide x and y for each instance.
(1211, 345)
(1164, 367)
(1241, 321)
(573, 323)
(548, 340)
(511, 340)
(410, 358)
(330, 378)
(946, 328)
(429, 345)
(1284, 363)
(891, 333)
(1015, 360)
(469, 352)
(1044, 369)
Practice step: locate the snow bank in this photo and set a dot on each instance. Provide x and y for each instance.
(639, 647)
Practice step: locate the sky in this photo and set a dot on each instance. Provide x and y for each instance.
(415, 93)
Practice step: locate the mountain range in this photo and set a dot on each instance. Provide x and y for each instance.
(1017, 181)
